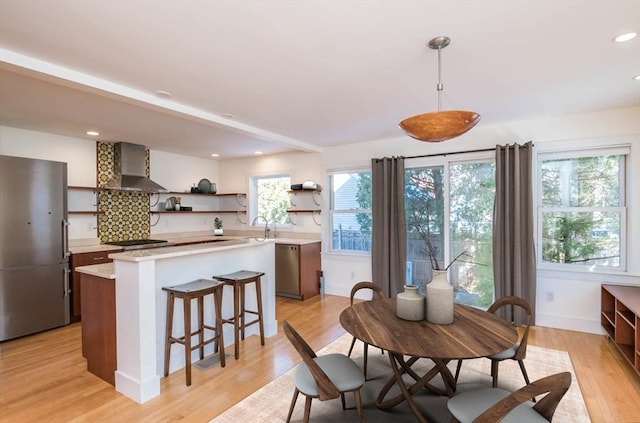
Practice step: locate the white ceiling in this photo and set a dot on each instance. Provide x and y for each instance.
(303, 75)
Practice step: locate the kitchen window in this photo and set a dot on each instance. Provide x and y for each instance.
(350, 212)
(582, 210)
(269, 199)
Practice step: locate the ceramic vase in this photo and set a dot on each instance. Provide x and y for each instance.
(410, 304)
(440, 299)
(218, 231)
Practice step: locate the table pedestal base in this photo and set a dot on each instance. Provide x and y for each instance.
(400, 367)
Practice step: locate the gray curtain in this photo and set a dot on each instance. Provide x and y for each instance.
(389, 231)
(514, 261)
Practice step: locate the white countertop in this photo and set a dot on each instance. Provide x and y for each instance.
(187, 250)
(93, 248)
(104, 270)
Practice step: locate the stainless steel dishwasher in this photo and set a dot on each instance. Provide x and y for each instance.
(287, 271)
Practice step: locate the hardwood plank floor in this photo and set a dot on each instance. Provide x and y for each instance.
(43, 377)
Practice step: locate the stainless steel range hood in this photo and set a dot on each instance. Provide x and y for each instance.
(129, 169)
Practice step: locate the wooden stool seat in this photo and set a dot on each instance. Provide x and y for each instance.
(197, 289)
(238, 280)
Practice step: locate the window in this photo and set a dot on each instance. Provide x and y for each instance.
(435, 238)
(351, 212)
(582, 210)
(270, 198)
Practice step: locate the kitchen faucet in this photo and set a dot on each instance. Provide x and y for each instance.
(266, 225)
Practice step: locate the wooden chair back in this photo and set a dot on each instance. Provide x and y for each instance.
(377, 291)
(555, 386)
(327, 390)
(511, 301)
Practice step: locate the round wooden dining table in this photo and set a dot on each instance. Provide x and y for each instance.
(474, 333)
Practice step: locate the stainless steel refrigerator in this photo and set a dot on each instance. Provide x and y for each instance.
(34, 257)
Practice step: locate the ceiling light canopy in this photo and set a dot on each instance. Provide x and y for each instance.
(441, 125)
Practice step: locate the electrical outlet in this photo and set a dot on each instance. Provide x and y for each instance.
(550, 296)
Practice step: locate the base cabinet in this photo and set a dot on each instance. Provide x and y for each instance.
(99, 326)
(620, 317)
(298, 270)
(83, 259)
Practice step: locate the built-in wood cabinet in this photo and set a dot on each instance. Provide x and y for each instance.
(99, 345)
(620, 318)
(84, 259)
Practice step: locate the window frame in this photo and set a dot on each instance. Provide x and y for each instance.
(253, 197)
(542, 156)
(332, 211)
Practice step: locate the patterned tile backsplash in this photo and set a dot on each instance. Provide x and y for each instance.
(125, 214)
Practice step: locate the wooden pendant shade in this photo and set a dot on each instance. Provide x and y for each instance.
(439, 126)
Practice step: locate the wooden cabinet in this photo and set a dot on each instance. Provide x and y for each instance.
(84, 259)
(298, 270)
(620, 317)
(99, 326)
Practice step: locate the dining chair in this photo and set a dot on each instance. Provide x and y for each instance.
(490, 405)
(377, 293)
(324, 377)
(518, 351)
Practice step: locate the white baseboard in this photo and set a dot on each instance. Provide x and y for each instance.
(569, 323)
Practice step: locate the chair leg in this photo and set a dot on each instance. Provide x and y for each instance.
(524, 373)
(258, 286)
(169, 334)
(344, 403)
(307, 410)
(458, 367)
(353, 342)
(293, 404)
(494, 373)
(366, 359)
(356, 394)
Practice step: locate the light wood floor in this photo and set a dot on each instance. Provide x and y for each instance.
(43, 377)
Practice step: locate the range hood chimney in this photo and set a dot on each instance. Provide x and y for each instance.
(129, 169)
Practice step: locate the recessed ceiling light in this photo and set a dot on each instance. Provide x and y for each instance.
(637, 77)
(215, 155)
(93, 133)
(162, 93)
(258, 152)
(227, 115)
(625, 37)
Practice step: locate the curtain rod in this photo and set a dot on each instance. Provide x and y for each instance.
(446, 154)
(481, 150)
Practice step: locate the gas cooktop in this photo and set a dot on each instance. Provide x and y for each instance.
(134, 244)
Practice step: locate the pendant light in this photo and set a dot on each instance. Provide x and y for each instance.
(441, 125)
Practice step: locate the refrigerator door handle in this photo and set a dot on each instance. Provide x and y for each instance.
(65, 239)
(66, 282)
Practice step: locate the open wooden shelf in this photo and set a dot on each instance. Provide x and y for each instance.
(620, 318)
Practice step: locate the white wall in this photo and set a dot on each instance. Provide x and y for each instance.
(79, 154)
(235, 174)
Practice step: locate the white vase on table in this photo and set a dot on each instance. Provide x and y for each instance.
(440, 299)
(410, 304)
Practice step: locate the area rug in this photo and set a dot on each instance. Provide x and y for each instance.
(271, 402)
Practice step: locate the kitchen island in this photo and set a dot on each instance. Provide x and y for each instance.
(141, 303)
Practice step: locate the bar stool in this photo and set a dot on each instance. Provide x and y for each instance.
(197, 289)
(238, 280)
